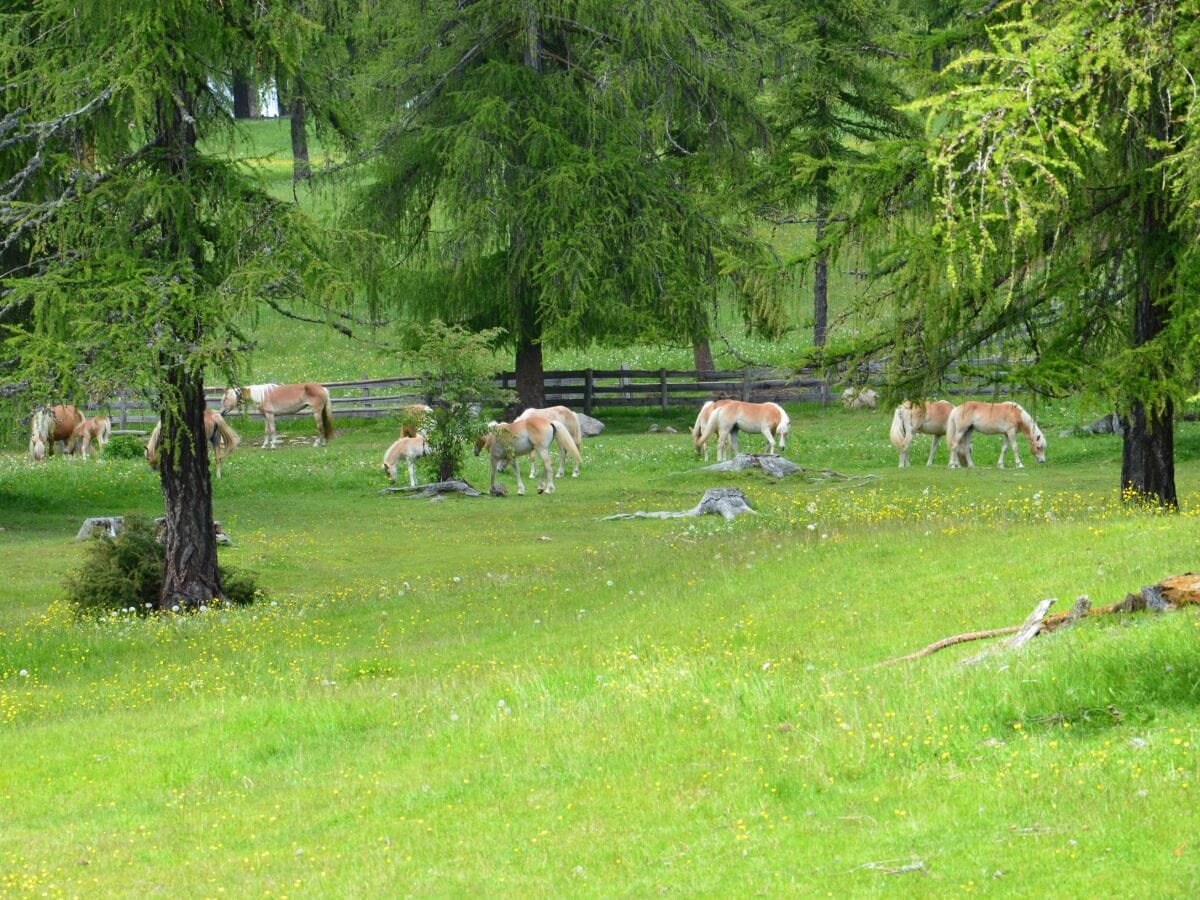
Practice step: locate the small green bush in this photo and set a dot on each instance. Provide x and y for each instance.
(127, 572)
(124, 446)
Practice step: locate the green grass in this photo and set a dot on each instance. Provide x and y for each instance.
(512, 696)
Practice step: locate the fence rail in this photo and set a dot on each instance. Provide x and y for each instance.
(589, 389)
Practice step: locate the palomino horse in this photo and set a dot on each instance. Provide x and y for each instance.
(49, 426)
(566, 417)
(283, 399)
(407, 449)
(412, 419)
(911, 419)
(992, 418)
(767, 419)
(220, 437)
(507, 440)
(698, 428)
(97, 428)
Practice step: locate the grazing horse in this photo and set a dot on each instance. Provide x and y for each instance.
(698, 428)
(284, 398)
(220, 437)
(407, 449)
(412, 418)
(97, 428)
(767, 419)
(507, 440)
(911, 419)
(566, 417)
(992, 418)
(50, 425)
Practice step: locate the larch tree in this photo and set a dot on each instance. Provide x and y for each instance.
(556, 168)
(1064, 158)
(149, 246)
(833, 99)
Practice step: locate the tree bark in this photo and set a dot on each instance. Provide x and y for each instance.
(821, 266)
(1148, 451)
(245, 103)
(702, 354)
(191, 577)
(301, 169)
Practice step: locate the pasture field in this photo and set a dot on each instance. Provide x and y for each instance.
(510, 696)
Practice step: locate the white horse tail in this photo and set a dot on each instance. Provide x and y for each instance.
(229, 437)
(575, 429)
(105, 430)
(563, 435)
(152, 446)
(901, 426)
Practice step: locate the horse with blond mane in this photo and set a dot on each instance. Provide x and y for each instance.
(566, 417)
(408, 449)
(97, 429)
(221, 438)
(283, 399)
(992, 418)
(702, 418)
(50, 425)
(767, 419)
(921, 417)
(505, 441)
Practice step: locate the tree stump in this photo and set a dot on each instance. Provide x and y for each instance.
(725, 502)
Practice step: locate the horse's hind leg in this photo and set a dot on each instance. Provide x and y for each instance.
(268, 429)
(932, 450)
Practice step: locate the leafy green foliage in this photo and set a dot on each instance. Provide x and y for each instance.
(456, 368)
(124, 446)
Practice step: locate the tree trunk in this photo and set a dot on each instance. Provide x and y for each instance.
(1148, 451)
(531, 375)
(191, 577)
(301, 169)
(244, 103)
(821, 266)
(702, 354)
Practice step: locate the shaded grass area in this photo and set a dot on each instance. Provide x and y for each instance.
(512, 696)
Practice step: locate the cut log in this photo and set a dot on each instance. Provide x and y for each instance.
(725, 502)
(1032, 624)
(103, 526)
(436, 488)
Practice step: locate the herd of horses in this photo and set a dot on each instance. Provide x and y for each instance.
(536, 431)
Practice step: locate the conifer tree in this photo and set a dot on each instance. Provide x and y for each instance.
(552, 167)
(1064, 161)
(150, 244)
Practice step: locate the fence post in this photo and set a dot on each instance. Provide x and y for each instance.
(366, 391)
(124, 408)
(662, 387)
(745, 386)
(623, 381)
(589, 391)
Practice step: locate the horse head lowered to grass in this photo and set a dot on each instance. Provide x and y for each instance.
(992, 418)
(505, 441)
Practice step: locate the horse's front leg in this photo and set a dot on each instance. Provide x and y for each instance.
(516, 467)
(546, 486)
(766, 432)
(1012, 442)
(268, 429)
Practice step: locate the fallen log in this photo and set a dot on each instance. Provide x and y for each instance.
(437, 488)
(777, 466)
(725, 502)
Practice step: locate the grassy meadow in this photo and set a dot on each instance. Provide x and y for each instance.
(510, 696)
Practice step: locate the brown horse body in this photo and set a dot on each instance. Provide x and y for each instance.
(97, 428)
(407, 449)
(505, 441)
(49, 426)
(221, 438)
(992, 418)
(913, 418)
(767, 419)
(566, 417)
(283, 399)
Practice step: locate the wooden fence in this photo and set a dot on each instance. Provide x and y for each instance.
(590, 389)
